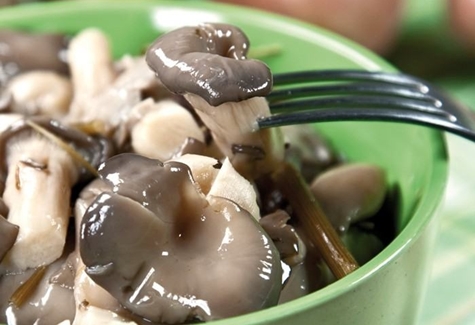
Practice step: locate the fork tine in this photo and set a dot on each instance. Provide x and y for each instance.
(355, 101)
(364, 114)
(358, 95)
(364, 88)
(348, 75)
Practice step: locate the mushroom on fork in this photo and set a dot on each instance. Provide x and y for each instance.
(207, 64)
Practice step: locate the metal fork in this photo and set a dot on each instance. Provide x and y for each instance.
(354, 95)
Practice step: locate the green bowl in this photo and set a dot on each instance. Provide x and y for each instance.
(390, 287)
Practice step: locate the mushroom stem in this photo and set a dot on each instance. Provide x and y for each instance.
(253, 152)
(92, 71)
(310, 215)
(40, 177)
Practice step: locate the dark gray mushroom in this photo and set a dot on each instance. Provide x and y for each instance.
(94, 305)
(38, 174)
(8, 235)
(209, 60)
(303, 264)
(350, 193)
(208, 65)
(25, 51)
(167, 253)
(291, 248)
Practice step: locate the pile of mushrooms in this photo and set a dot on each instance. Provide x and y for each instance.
(133, 190)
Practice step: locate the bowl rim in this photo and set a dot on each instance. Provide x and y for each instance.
(424, 212)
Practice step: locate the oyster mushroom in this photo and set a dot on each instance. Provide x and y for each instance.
(167, 253)
(231, 185)
(8, 235)
(204, 169)
(221, 179)
(94, 305)
(207, 64)
(40, 93)
(32, 164)
(106, 93)
(350, 193)
(25, 51)
(302, 260)
(163, 131)
(92, 74)
(91, 64)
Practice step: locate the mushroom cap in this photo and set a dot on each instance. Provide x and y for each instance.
(33, 51)
(209, 60)
(167, 254)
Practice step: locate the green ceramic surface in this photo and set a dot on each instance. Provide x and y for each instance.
(386, 290)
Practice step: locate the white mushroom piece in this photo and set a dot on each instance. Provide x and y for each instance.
(40, 92)
(92, 69)
(40, 58)
(41, 161)
(106, 92)
(166, 252)
(207, 64)
(164, 129)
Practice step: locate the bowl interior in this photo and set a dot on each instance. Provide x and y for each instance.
(414, 157)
